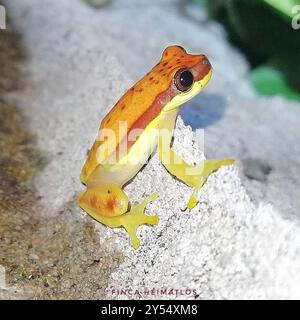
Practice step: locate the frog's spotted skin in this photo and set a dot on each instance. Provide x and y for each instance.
(145, 100)
(152, 103)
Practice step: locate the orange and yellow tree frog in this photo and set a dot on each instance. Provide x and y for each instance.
(142, 121)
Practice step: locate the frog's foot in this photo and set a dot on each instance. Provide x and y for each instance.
(197, 180)
(136, 217)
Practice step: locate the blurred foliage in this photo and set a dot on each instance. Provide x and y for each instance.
(98, 3)
(269, 81)
(263, 31)
(283, 6)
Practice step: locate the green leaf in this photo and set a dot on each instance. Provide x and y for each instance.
(283, 6)
(269, 82)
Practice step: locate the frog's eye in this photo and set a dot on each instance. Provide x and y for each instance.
(183, 80)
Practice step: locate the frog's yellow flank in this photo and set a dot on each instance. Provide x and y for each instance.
(150, 105)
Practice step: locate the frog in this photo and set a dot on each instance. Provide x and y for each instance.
(150, 107)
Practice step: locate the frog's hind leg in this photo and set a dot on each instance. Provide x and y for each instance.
(109, 205)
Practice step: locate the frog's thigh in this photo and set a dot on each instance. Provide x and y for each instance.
(103, 203)
(104, 196)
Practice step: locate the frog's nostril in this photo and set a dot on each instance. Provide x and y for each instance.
(205, 61)
(206, 64)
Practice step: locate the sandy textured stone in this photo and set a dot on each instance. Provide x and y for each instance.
(225, 248)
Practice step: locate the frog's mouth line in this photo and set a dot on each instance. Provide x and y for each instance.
(197, 87)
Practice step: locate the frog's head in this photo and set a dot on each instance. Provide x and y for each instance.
(187, 75)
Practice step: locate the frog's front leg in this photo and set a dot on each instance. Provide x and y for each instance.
(193, 175)
(108, 204)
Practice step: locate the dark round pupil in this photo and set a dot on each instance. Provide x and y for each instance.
(186, 79)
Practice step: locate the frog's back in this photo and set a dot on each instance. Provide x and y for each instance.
(137, 108)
